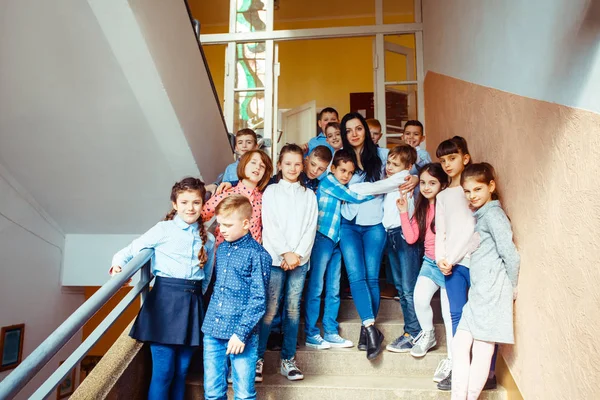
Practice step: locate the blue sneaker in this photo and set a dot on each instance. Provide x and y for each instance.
(402, 344)
(336, 340)
(317, 342)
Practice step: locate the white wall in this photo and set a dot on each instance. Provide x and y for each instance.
(544, 49)
(31, 249)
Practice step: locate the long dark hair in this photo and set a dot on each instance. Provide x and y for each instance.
(369, 158)
(192, 185)
(422, 204)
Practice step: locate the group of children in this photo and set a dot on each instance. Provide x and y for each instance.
(442, 222)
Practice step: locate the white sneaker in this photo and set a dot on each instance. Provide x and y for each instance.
(290, 370)
(259, 369)
(424, 341)
(443, 370)
(336, 340)
(317, 342)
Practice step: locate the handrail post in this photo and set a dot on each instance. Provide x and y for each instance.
(145, 276)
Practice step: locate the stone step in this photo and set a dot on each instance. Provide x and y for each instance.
(390, 327)
(388, 308)
(354, 362)
(339, 387)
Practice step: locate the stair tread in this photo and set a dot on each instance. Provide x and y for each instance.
(440, 348)
(346, 381)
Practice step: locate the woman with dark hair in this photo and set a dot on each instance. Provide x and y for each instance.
(363, 235)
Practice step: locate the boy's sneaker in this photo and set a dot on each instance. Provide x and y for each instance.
(317, 342)
(336, 340)
(443, 370)
(290, 370)
(446, 383)
(424, 341)
(259, 368)
(402, 344)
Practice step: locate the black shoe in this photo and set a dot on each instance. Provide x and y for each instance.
(491, 383)
(446, 384)
(374, 340)
(362, 340)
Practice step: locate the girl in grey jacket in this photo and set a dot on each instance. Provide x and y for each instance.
(487, 317)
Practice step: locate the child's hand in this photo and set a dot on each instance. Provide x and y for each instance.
(114, 270)
(402, 203)
(410, 183)
(304, 147)
(445, 267)
(223, 187)
(291, 259)
(235, 345)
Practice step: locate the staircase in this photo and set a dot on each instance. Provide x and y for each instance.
(337, 374)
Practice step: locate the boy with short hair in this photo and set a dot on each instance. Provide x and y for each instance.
(375, 129)
(325, 260)
(414, 136)
(405, 260)
(327, 115)
(333, 135)
(238, 302)
(245, 140)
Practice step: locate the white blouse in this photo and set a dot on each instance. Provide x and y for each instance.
(289, 217)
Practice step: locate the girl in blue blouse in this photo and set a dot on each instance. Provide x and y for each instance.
(171, 317)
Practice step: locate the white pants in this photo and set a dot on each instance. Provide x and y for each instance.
(470, 374)
(424, 291)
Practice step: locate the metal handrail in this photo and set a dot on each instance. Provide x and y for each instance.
(21, 375)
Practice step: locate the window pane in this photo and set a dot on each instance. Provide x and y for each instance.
(249, 111)
(400, 106)
(400, 58)
(250, 65)
(251, 16)
(398, 11)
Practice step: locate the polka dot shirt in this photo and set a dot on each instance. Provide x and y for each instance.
(255, 197)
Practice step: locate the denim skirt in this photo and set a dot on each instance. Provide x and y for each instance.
(171, 314)
(430, 270)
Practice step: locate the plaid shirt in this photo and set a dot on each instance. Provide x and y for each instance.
(330, 195)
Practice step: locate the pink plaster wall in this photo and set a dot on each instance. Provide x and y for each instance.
(547, 157)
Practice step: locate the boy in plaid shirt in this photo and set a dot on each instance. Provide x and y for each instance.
(326, 259)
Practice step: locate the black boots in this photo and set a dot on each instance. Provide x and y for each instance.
(374, 340)
(362, 340)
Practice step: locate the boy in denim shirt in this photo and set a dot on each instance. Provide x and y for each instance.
(238, 303)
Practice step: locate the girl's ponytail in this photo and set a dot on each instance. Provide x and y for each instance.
(170, 215)
(202, 255)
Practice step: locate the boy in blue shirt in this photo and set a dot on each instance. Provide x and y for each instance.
(238, 303)
(245, 140)
(326, 259)
(327, 115)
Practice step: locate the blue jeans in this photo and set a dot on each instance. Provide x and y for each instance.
(286, 286)
(362, 248)
(215, 369)
(457, 287)
(325, 270)
(405, 262)
(170, 364)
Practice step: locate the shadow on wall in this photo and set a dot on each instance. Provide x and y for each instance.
(579, 54)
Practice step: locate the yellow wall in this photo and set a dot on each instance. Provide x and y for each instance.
(325, 70)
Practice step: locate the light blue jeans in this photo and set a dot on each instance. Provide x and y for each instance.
(215, 369)
(362, 248)
(325, 272)
(286, 286)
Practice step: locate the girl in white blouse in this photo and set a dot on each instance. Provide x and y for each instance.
(289, 216)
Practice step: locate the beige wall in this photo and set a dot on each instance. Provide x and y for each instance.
(546, 157)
